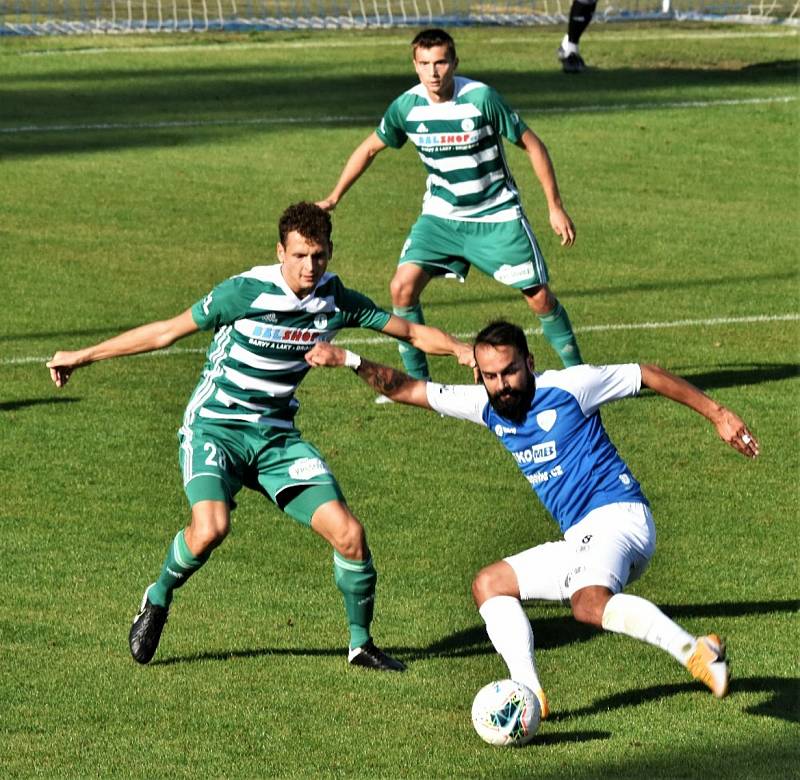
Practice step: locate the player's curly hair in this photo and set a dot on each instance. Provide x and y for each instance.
(309, 220)
(427, 39)
(503, 334)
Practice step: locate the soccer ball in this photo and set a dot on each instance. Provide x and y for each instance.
(505, 712)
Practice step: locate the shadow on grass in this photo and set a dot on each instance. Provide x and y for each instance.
(13, 406)
(783, 693)
(755, 373)
(225, 94)
(783, 701)
(543, 740)
(315, 652)
(564, 630)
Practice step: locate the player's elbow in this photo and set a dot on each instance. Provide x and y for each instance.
(411, 392)
(371, 146)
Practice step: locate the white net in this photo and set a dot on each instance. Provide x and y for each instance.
(42, 17)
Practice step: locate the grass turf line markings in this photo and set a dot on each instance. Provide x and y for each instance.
(612, 107)
(756, 318)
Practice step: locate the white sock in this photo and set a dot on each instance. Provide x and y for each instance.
(512, 636)
(643, 620)
(568, 46)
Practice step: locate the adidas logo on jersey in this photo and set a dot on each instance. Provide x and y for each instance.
(421, 128)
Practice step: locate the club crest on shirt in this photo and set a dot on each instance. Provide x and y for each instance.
(546, 419)
(321, 322)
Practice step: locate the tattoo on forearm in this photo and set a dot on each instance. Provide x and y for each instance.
(383, 378)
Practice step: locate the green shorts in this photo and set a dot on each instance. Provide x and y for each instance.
(218, 460)
(506, 251)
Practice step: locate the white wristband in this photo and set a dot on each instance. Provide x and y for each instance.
(351, 360)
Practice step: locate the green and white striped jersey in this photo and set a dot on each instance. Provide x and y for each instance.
(460, 145)
(262, 332)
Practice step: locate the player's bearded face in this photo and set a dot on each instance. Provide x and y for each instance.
(508, 379)
(514, 403)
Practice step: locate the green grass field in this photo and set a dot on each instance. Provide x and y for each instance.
(137, 172)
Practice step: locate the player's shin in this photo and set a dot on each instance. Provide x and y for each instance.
(557, 329)
(643, 620)
(178, 566)
(356, 581)
(580, 14)
(511, 634)
(414, 360)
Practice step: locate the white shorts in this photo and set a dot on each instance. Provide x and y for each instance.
(610, 547)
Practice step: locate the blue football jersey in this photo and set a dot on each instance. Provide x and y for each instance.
(561, 447)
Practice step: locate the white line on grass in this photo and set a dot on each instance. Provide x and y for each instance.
(381, 42)
(601, 36)
(323, 120)
(385, 340)
(669, 104)
(289, 120)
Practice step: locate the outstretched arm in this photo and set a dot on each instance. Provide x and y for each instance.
(358, 162)
(543, 168)
(146, 338)
(396, 385)
(729, 426)
(430, 340)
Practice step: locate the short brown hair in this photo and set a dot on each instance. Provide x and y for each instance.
(309, 220)
(503, 334)
(427, 39)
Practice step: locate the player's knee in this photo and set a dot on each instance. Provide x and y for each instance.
(493, 581)
(540, 299)
(349, 539)
(207, 532)
(581, 612)
(588, 605)
(403, 292)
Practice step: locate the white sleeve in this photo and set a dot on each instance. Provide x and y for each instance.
(594, 386)
(465, 402)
